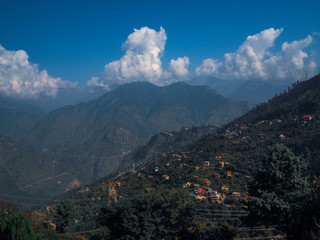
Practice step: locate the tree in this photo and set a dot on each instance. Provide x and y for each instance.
(280, 189)
(17, 227)
(65, 214)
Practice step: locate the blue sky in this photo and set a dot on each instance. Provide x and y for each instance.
(75, 40)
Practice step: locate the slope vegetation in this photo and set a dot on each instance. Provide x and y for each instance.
(90, 138)
(213, 174)
(28, 176)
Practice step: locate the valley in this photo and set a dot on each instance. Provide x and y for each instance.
(209, 180)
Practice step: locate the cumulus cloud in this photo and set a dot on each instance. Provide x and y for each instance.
(142, 62)
(179, 67)
(252, 60)
(20, 78)
(178, 71)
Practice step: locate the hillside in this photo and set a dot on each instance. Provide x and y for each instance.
(17, 117)
(165, 142)
(90, 138)
(302, 98)
(30, 177)
(213, 174)
(256, 91)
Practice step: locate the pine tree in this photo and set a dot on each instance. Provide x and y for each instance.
(17, 227)
(65, 215)
(280, 189)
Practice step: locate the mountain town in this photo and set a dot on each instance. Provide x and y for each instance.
(160, 120)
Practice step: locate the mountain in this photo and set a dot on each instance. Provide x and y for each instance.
(256, 91)
(28, 176)
(68, 96)
(302, 98)
(90, 138)
(221, 163)
(17, 117)
(225, 87)
(242, 90)
(165, 142)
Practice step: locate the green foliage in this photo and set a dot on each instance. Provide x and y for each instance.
(22, 172)
(149, 217)
(214, 231)
(65, 214)
(280, 189)
(17, 227)
(303, 98)
(98, 132)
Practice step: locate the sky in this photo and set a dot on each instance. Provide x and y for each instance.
(52, 44)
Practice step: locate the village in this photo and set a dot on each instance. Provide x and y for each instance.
(200, 187)
(211, 181)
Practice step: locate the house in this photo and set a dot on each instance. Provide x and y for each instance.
(235, 194)
(207, 182)
(214, 198)
(229, 174)
(206, 163)
(201, 197)
(166, 177)
(225, 188)
(277, 120)
(307, 117)
(156, 169)
(187, 184)
(200, 191)
(282, 137)
(221, 164)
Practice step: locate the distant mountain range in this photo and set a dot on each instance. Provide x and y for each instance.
(17, 117)
(244, 90)
(90, 138)
(302, 98)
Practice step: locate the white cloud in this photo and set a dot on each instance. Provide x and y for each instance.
(252, 60)
(208, 67)
(20, 78)
(141, 62)
(179, 67)
(178, 71)
(96, 82)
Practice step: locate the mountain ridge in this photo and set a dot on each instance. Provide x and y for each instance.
(102, 130)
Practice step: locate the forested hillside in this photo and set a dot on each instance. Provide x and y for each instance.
(90, 139)
(217, 180)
